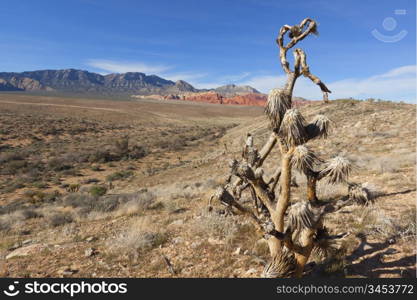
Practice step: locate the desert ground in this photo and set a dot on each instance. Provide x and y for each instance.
(102, 188)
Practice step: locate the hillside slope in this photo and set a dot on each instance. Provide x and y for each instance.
(157, 204)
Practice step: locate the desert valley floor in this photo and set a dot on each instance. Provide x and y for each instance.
(101, 188)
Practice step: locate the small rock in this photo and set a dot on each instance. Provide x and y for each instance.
(391, 251)
(177, 222)
(215, 242)
(25, 251)
(14, 247)
(89, 252)
(238, 251)
(26, 242)
(195, 245)
(90, 239)
(66, 271)
(367, 247)
(251, 271)
(178, 240)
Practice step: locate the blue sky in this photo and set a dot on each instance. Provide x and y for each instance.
(366, 48)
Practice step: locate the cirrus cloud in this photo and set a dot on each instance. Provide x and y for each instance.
(125, 66)
(395, 84)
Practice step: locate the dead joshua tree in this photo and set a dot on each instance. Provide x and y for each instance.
(292, 235)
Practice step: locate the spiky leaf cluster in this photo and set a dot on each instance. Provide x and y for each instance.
(304, 159)
(282, 265)
(302, 216)
(319, 127)
(324, 247)
(292, 129)
(278, 103)
(337, 170)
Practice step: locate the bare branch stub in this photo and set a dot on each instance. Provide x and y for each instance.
(297, 33)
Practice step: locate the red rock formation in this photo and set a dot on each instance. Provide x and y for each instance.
(251, 99)
(208, 97)
(248, 99)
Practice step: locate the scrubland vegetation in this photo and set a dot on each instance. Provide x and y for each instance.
(115, 192)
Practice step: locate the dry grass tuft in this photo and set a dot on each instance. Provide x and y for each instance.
(140, 236)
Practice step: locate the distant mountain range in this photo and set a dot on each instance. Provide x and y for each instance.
(79, 81)
(134, 84)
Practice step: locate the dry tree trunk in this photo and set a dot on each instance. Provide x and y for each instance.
(290, 240)
(311, 187)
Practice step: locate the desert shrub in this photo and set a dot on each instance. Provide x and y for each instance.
(96, 168)
(119, 175)
(98, 190)
(13, 167)
(99, 156)
(106, 203)
(137, 203)
(80, 200)
(373, 222)
(140, 236)
(14, 185)
(57, 164)
(34, 196)
(59, 219)
(10, 156)
(330, 192)
(175, 144)
(29, 214)
(51, 197)
(13, 206)
(122, 146)
(4, 226)
(214, 225)
(129, 203)
(39, 185)
(137, 152)
(408, 228)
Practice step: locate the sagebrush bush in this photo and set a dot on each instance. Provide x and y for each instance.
(98, 190)
(129, 203)
(140, 236)
(120, 175)
(59, 219)
(217, 226)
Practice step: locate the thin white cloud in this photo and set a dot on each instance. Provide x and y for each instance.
(186, 76)
(123, 67)
(264, 83)
(234, 78)
(395, 84)
(205, 82)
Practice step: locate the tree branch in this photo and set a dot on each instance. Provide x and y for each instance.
(305, 70)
